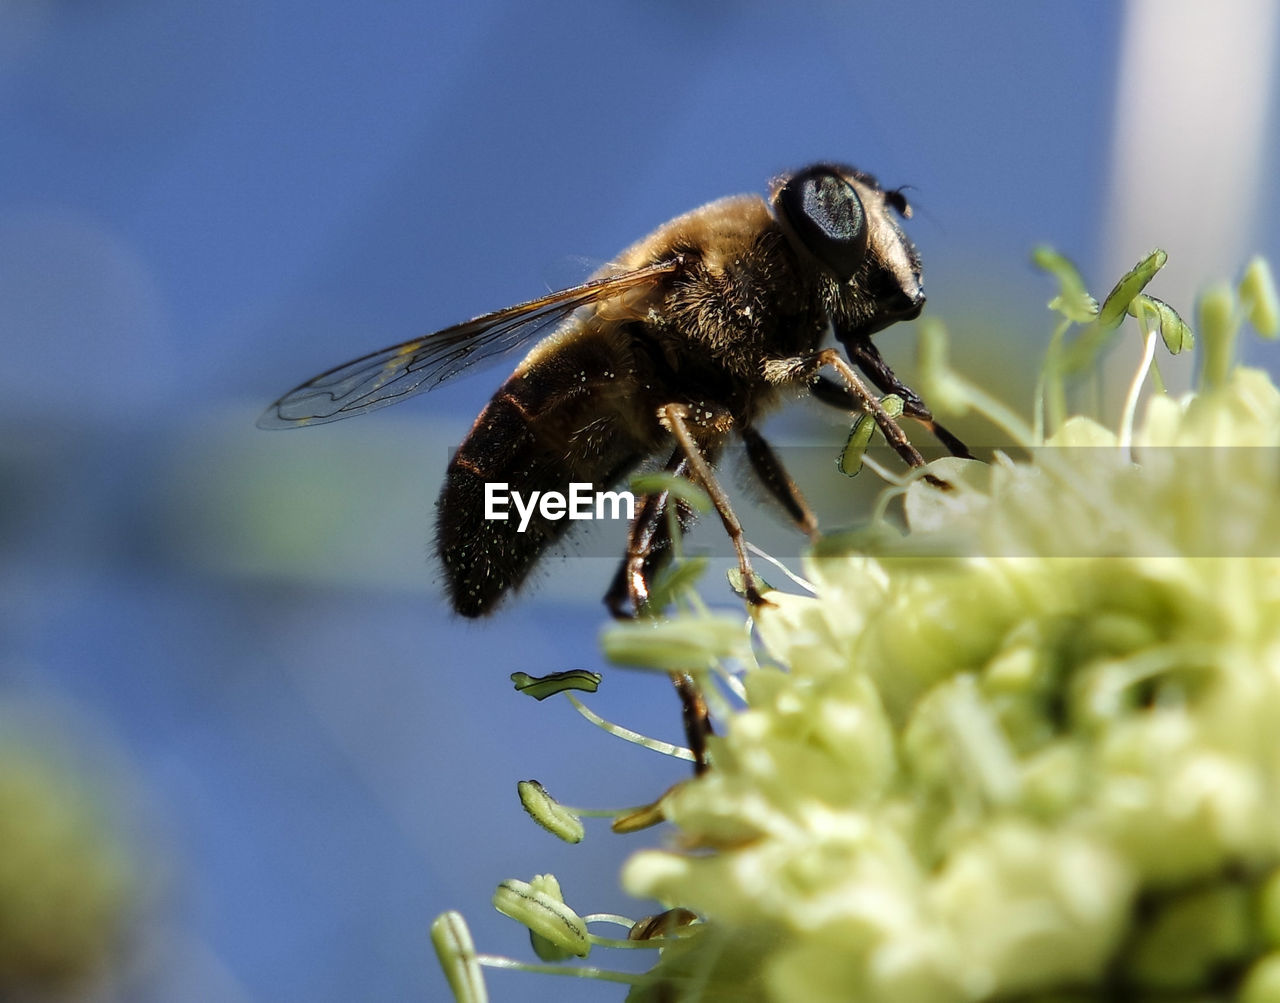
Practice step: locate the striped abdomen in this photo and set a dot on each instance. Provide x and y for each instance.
(562, 417)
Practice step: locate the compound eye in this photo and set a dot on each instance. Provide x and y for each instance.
(823, 213)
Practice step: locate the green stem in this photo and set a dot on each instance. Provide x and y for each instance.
(602, 974)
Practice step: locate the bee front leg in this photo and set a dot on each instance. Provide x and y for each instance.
(676, 417)
(805, 368)
(837, 395)
(867, 357)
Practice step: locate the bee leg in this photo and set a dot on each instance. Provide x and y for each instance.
(772, 474)
(839, 396)
(676, 418)
(805, 370)
(628, 593)
(867, 357)
(696, 717)
(648, 548)
(693, 705)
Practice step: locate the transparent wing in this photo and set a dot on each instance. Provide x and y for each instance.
(381, 378)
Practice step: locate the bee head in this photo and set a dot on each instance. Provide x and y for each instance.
(840, 220)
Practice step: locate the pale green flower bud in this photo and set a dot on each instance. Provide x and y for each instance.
(541, 687)
(1217, 329)
(1073, 300)
(849, 461)
(549, 813)
(686, 644)
(1133, 282)
(457, 953)
(1258, 291)
(539, 906)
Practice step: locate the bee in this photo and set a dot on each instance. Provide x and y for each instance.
(680, 345)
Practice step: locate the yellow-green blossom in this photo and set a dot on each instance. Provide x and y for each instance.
(556, 930)
(1049, 765)
(68, 889)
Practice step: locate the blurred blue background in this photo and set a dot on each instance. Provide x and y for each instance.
(203, 204)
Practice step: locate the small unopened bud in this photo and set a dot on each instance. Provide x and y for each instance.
(1258, 293)
(674, 580)
(855, 447)
(549, 813)
(1214, 319)
(688, 644)
(541, 687)
(661, 924)
(545, 949)
(644, 817)
(1073, 300)
(1177, 336)
(1132, 283)
(544, 913)
(738, 583)
(457, 954)
(678, 488)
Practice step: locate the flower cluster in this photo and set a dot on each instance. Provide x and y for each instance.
(1043, 766)
(1030, 749)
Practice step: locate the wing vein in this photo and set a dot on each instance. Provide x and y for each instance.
(392, 374)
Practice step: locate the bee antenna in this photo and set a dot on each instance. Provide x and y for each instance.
(898, 200)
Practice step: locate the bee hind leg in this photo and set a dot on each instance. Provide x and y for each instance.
(696, 718)
(648, 548)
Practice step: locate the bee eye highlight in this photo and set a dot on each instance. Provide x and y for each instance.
(823, 214)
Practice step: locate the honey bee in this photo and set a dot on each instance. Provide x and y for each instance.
(681, 344)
